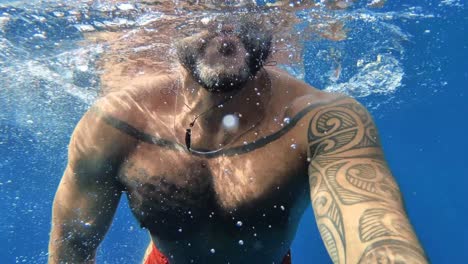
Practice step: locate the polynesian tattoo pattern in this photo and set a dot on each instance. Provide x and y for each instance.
(351, 186)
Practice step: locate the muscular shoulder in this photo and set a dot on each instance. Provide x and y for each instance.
(296, 94)
(324, 117)
(134, 105)
(321, 101)
(95, 142)
(336, 124)
(150, 94)
(104, 131)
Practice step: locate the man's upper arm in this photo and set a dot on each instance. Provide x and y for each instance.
(89, 192)
(356, 201)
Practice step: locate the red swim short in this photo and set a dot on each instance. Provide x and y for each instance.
(156, 257)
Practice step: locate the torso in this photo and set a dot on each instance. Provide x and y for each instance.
(179, 197)
(244, 205)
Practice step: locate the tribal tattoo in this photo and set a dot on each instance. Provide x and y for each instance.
(356, 201)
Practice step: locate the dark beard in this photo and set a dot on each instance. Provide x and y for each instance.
(257, 43)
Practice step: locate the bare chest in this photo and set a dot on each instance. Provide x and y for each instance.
(171, 192)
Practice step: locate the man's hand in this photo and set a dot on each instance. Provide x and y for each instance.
(357, 203)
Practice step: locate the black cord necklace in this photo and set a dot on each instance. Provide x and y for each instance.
(188, 131)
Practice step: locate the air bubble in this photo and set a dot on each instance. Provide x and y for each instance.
(212, 251)
(40, 36)
(241, 242)
(293, 146)
(230, 122)
(58, 14)
(239, 223)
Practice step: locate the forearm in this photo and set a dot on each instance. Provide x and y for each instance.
(81, 215)
(69, 254)
(373, 232)
(76, 232)
(361, 222)
(74, 236)
(67, 247)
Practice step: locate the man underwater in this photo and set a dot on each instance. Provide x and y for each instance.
(220, 159)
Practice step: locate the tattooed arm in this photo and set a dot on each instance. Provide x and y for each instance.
(356, 201)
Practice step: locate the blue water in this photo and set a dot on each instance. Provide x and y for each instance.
(423, 126)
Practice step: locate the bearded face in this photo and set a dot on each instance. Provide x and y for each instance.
(225, 58)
